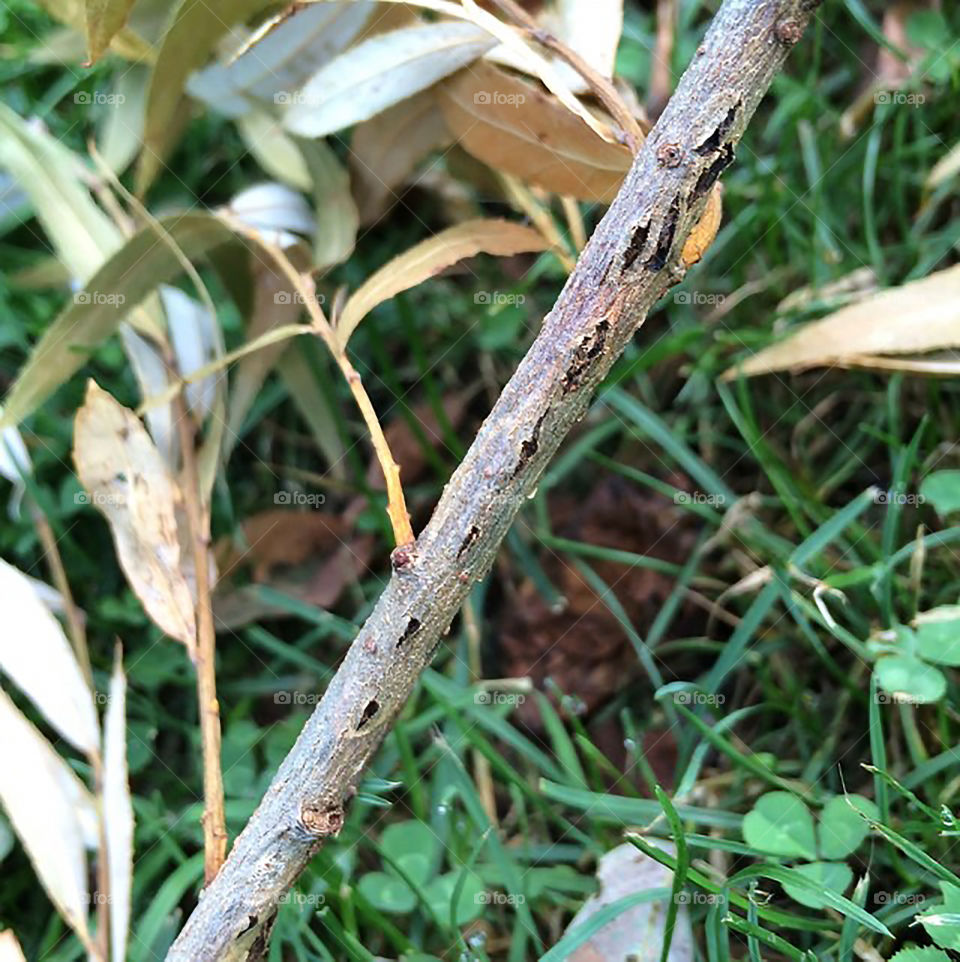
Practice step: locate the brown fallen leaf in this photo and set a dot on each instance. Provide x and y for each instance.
(405, 445)
(385, 150)
(514, 126)
(430, 257)
(581, 645)
(281, 537)
(128, 481)
(917, 317)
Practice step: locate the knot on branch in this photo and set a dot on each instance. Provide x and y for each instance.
(321, 819)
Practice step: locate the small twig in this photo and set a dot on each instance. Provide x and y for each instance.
(602, 87)
(304, 287)
(214, 820)
(660, 79)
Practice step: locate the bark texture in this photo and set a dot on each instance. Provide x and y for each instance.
(629, 263)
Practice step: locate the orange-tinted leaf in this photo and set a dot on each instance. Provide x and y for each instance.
(514, 126)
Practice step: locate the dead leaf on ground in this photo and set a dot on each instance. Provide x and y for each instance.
(281, 537)
(636, 933)
(915, 318)
(582, 647)
(406, 447)
(129, 483)
(514, 126)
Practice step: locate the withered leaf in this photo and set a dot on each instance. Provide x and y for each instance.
(514, 126)
(430, 257)
(129, 483)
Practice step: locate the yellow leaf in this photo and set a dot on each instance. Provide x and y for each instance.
(921, 316)
(500, 237)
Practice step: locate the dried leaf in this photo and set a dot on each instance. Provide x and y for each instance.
(130, 484)
(590, 28)
(380, 72)
(530, 59)
(513, 126)
(280, 59)
(386, 150)
(274, 305)
(105, 18)
(119, 138)
(145, 261)
(196, 340)
(920, 316)
(194, 29)
(47, 807)
(277, 212)
(945, 168)
(637, 932)
(36, 655)
(337, 218)
(285, 537)
(118, 812)
(273, 148)
(430, 257)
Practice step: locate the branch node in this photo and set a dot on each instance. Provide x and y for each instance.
(321, 819)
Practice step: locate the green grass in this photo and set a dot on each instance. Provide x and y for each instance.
(785, 464)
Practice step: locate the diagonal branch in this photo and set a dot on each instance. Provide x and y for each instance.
(630, 262)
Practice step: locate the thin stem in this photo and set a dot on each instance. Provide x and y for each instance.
(396, 503)
(214, 819)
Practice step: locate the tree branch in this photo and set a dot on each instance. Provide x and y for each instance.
(629, 263)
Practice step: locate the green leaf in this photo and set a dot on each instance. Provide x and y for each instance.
(336, 212)
(943, 931)
(387, 893)
(782, 825)
(470, 905)
(942, 490)
(938, 635)
(910, 680)
(841, 829)
(914, 954)
(835, 876)
(413, 846)
(145, 261)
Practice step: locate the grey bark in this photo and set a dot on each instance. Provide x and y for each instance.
(629, 263)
